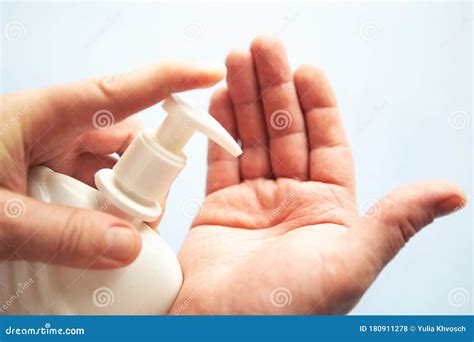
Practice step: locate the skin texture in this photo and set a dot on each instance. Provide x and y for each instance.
(54, 127)
(279, 231)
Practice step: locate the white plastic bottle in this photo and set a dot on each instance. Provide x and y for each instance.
(132, 190)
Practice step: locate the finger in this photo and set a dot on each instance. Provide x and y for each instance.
(330, 154)
(90, 104)
(391, 222)
(86, 165)
(284, 118)
(222, 168)
(81, 166)
(114, 139)
(244, 92)
(36, 231)
(92, 151)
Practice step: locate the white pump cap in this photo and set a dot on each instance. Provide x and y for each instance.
(184, 119)
(140, 181)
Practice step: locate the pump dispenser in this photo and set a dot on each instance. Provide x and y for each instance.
(140, 180)
(135, 190)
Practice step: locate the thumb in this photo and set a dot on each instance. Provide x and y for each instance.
(35, 231)
(392, 221)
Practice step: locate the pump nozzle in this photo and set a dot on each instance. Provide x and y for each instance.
(140, 180)
(184, 119)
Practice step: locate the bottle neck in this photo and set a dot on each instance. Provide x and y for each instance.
(174, 133)
(141, 179)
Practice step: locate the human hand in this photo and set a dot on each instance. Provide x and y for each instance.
(279, 231)
(67, 129)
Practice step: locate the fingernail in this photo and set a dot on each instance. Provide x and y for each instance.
(449, 206)
(120, 243)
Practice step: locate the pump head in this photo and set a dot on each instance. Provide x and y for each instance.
(141, 179)
(184, 119)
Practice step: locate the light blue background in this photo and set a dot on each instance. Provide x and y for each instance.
(399, 71)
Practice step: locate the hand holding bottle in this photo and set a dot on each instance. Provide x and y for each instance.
(66, 128)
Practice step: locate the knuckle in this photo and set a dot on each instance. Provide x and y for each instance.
(412, 223)
(220, 96)
(70, 241)
(110, 86)
(406, 229)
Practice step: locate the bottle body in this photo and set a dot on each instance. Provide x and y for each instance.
(147, 286)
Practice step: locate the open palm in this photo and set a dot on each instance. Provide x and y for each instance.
(279, 231)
